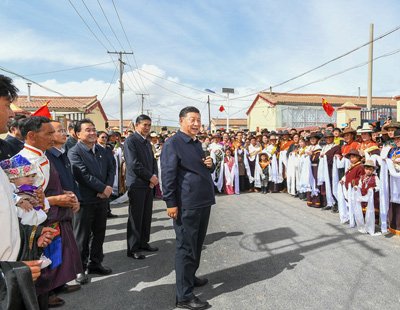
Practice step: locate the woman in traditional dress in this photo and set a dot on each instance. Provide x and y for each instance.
(229, 172)
(313, 152)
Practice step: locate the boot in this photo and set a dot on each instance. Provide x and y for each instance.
(335, 208)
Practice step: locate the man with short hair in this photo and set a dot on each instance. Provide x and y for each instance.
(188, 191)
(14, 138)
(72, 139)
(94, 171)
(141, 178)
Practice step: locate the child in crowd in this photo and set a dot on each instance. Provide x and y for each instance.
(367, 181)
(31, 209)
(355, 171)
(229, 171)
(264, 163)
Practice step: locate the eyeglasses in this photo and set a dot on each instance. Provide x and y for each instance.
(103, 137)
(61, 131)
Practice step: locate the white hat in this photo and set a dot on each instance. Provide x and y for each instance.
(365, 128)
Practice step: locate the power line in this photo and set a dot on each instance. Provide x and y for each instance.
(130, 46)
(98, 26)
(87, 25)
(109, 24)
(112, 80)
(76, 68)
(324, 64)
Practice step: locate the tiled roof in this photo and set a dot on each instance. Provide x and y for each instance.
(232, 121)
(55, 102)
(334, 100)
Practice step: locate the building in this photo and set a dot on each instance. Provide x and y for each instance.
(65, 109)
(235, 124)
(278, 110)
(113, 124)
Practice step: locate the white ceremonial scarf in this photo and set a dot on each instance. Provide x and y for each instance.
(274, 173)
(342, 205)
(282, 161)
(220, 181)
(230, 174)
(394, 182)
(257, 171)
(292, 163)
(237, 185)
(10, 241)
(305, 183)
(350, 201)
(43, 172)
(369, 225)
(335, 177)
(323, 176)
(383, 194)
(246, 165)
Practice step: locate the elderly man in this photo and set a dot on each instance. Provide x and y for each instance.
(188, 190)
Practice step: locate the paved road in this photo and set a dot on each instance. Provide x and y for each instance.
(261, 252)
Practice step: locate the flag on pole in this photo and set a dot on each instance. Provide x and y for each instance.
(221, 108)
(327, 107)
(43, 111)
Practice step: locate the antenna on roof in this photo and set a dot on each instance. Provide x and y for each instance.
(270, 90)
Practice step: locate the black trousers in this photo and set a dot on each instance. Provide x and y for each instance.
(90, 229)
(191, 229)
(139, 220)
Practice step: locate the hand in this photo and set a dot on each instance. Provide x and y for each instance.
(34, 266)
(173, 212)
(151, 185)
(40, 196)
(65, 200)
(355, 188)
(46, 237)
(208, 161)
(154, 180)
(108, 191)
(72, 194)
(322, 155)
(25, 206)
(341, 182)
(76, 207)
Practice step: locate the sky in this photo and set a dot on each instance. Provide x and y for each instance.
(183, 47)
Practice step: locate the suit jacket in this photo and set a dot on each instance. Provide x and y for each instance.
(15, 145)
(5, 150)
(63, 166)
(71, 142)
(93, 171)
(186, 180)
(140, 162)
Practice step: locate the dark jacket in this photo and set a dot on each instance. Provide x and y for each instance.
(186, 180)
(5, 150)
(139, 160)
(93, 172)
(64, 169)
(15, 145)
(71, 142)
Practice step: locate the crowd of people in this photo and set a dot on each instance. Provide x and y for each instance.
(57, 184)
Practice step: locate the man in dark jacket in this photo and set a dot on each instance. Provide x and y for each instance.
(94, 172)
(14, 139)
(141, 177)
(72, 139)
(188, 190)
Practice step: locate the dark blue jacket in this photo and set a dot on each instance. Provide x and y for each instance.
(64, 169)
(15, 145)
(139, 160)
(186, 180)
(92, 172)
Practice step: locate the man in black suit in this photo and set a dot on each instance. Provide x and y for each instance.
(14, 139)
(188, 190)
(141, 177)
(94, 171)
(72, 139)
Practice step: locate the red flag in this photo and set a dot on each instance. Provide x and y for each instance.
(221, 108)
(327, 107)
(43, 111)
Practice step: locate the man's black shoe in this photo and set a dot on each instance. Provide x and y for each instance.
(326, 208)
(82, 278)
(136, 255)
(195, 304)
(110, 215)
(100, 269)
(200, 282)
(149, 248)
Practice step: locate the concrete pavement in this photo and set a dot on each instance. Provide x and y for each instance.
(261, 252)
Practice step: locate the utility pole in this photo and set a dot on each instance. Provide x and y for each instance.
(227, 91)
(142, 99)
(370, 64)
(209, 114)
(121, 88)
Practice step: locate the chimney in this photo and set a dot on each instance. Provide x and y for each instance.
(29, 91)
